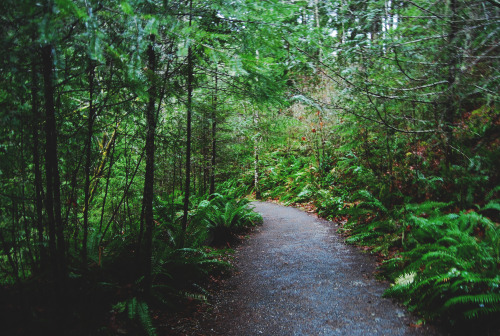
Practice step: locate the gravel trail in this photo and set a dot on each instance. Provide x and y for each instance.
(296, 277)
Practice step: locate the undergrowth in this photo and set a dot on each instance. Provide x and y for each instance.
(109, 299)
(435, 228)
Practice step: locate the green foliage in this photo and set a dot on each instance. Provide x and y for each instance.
(289, 178)
(224, 216)
(180, 273)
(443, 262)
(137, 310)
(330, 206)
(383, 115)
(213, 219)
(454, 261)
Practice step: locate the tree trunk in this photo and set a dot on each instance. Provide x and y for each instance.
(149, 174)
(188, 135)
(35, 111)
(214, 138)
(317, 24)
(108, 179)
(256, 159)
(256, 172)
(88, 158)
(53, 197)
(452, 103)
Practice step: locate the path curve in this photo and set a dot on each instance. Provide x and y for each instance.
(296, 277)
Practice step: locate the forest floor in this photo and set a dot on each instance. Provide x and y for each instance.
(296, 276)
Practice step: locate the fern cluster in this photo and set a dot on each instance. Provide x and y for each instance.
(137, 311)
(455, 260)
(289, 178)
(212, 221)
(181, 261)
(447, 263)
(443, 264)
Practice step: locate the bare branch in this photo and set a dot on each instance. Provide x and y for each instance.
(425, 10)
(421, 87)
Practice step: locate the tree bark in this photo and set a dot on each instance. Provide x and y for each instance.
(35, 111)
(214, 138)
(188, 135)
(149, 174)
(53, 197)
(88, 158)
(256, 159)
(452, 103)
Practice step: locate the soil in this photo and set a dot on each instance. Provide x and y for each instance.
(296, 276)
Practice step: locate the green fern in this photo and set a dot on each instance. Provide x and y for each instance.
(456, 270)
(362, 237)
(139, 310)
(476, 305)
(478, 299)
(369, 201)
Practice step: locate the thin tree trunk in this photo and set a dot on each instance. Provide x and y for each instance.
(214, 137)
(256, 172)
(451, 106)
(149, 174)
(27, 231)
(53, 198)
(35, 111)
(256, 159)
(317, 24)
(188, 134)
(106, 189)
(104, 156)
(13, 233)
(88, 158)
(49, 195)
(125, 193)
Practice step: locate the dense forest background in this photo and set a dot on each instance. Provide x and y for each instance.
(131, 130)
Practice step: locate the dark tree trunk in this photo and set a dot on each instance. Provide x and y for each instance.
(27, 231)
(88, 159)
(108, 179)
(35, 111)
(149, 174)
(256, 173)
(256, 159)
(53, 198)
(188, 135)
(214, 138)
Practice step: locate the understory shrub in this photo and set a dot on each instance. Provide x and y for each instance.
(443, 264)
(450, 265)
(223, 217)
(181, 261)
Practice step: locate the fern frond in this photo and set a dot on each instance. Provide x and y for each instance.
(492, 205)
(479, 299)
(139, 310)
(481, 311)
(145, 318)
(442, 254)
(406, 279)
(132, 308)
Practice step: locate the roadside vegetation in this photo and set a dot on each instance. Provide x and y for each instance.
(131, 132)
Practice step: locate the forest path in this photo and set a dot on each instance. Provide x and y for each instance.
(295, 276)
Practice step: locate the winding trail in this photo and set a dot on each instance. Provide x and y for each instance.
(296, 277)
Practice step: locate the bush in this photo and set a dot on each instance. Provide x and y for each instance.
(450, 268)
